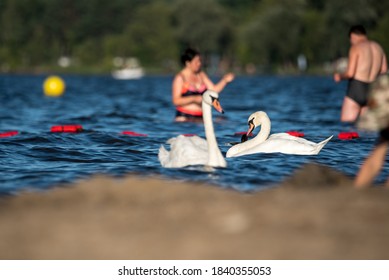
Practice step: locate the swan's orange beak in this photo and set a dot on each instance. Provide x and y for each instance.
(246, 136)
(251, 128)
(217, 106)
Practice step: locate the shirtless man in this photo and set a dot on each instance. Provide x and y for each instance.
(366, 61)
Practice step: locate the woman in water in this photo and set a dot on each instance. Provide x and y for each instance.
(189, 85)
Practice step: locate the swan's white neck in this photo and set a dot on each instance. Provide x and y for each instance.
(215, 157)
(262, 135)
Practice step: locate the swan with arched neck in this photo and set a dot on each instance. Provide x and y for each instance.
(275, 143)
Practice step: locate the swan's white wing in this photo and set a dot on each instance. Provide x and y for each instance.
(276, 143)
(283, 136)
(163, 156)
(292, 141)
(184, 151)
(234, 151)
(287, 144)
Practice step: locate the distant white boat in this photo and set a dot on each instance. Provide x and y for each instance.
(127, 68)
(128, 73)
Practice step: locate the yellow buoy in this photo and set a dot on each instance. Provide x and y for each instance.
(53, 86)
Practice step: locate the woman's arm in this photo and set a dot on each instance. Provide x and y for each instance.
(220, 85)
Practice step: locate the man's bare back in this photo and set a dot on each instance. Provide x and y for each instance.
(371, 61)
(366, 61)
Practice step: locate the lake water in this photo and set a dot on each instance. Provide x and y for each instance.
(39, 159)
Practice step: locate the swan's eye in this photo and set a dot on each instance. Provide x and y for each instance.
(251, 122)
(213, 98)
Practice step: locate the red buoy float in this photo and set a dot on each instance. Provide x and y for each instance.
(133, 133)
(8, 134)
(348, 135)
(296, 133)
(69, 128)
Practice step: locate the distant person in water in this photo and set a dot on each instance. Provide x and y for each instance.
(376, 118)
(189, 85)
(366, 60)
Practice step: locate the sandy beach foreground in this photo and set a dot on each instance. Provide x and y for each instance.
(315, 214)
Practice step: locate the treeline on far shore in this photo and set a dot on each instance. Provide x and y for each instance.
(247, 36)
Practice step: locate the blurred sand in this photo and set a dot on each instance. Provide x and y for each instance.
(315, 214)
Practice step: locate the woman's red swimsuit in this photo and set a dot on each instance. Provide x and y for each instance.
(190, 90)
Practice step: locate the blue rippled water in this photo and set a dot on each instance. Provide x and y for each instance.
(39, 159)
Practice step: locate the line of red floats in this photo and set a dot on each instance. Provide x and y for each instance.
(76, 128)
(341, 135)
(66, 128)
(8, 134)
(70, 128)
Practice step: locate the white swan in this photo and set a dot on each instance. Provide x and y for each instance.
(185, 151)
(276, 143)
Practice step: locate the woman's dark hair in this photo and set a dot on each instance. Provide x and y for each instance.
(357, 29)
(188, 55)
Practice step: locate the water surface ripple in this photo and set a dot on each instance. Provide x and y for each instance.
(39, 159)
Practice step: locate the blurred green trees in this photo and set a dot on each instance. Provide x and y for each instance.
(268, 34)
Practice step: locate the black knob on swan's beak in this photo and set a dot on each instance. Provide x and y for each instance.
(244, 138)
